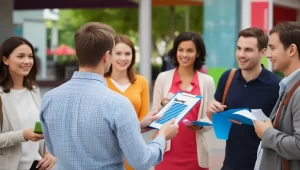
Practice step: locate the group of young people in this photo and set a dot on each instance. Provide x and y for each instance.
(96, 119)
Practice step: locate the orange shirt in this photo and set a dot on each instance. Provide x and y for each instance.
(137, 93)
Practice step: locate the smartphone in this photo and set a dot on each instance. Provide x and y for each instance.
(38, 128)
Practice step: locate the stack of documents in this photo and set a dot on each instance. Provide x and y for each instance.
(222, 125)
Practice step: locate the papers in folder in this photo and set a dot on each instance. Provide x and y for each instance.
(222, 124)
(176, 108)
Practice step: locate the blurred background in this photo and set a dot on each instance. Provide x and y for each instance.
(151, 24)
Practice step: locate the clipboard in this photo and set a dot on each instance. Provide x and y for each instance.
(176, 108)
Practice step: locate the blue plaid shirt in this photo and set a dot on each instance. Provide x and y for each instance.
(89, 127)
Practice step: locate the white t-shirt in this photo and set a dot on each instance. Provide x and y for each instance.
(122, 88)
(28, 113)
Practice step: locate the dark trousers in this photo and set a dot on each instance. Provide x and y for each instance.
(226, 167)
(33, 166)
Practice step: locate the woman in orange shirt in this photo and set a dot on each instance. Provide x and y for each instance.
(122, 78)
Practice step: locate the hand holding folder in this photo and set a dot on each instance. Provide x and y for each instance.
(176, 108)
(246, 116)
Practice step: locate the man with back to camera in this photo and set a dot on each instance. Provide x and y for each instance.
(281, 134)
(86, 125)
(252, 87)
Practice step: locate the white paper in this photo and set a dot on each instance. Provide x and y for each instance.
(259, 114)
(255, 114)
(246, 114)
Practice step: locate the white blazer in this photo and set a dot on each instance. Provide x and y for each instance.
(12, 134)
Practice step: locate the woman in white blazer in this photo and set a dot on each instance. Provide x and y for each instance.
(189, 149)
(20, 147)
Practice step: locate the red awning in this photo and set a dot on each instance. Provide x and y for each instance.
(63, 50)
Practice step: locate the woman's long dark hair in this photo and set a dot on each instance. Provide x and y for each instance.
(6, 48)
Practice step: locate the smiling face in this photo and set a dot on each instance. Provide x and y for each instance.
(20, 61)
(186, 54)
(122, 57)
(278, 55)
(247, 53)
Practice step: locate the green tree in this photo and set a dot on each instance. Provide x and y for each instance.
(125, 21)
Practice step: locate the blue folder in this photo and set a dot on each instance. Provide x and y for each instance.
(197, 123)
(222, 125)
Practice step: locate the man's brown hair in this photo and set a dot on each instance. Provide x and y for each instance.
(289, 33)
(92, 41)
(258, 33)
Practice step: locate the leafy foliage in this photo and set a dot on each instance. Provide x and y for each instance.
(125, 21)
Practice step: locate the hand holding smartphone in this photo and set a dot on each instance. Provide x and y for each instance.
(38, 128)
